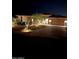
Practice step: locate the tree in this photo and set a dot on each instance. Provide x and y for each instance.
(37, 18)
(14, 22)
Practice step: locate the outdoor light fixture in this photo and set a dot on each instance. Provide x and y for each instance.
(50, 21)
(65, 21)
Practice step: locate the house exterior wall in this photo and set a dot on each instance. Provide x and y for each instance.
(57, 21)
(24, 18)
(51, 20)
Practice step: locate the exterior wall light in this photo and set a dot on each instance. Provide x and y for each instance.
(50, 21)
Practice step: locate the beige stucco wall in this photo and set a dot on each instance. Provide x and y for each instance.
(24, 17)
(54, 20)
(57, 21)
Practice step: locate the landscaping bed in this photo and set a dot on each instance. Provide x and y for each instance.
(18, 28)
(36, 27)
(33, 27)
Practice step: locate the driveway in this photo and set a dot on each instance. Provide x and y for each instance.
(57, 32)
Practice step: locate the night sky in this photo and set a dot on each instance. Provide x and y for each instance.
(58, 7)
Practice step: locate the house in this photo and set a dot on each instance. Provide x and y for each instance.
(47, 19)
(57, 20)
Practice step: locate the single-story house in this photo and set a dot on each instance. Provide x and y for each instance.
(48, 19)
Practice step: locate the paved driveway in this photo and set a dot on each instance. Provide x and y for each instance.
(51, 31)
(57, 32)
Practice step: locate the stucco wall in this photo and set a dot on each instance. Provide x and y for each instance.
(57, 21)
(54, 20)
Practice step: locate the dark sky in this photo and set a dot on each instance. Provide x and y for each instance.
(58, 7)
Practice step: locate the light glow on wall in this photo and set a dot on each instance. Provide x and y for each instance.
(50, 21)
(65, 21)
(32, 20)
(46, 21)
